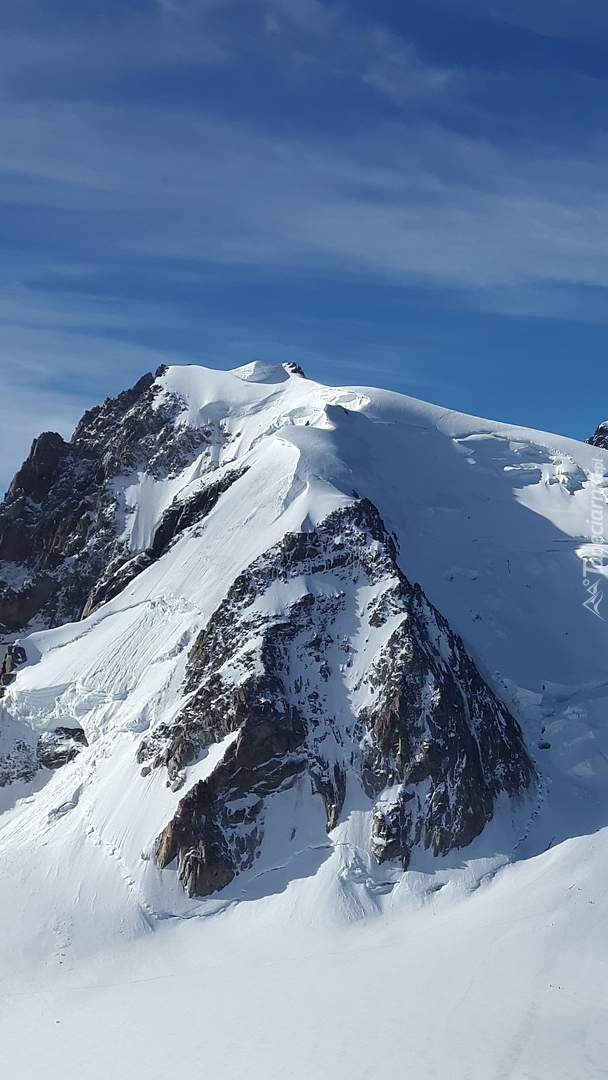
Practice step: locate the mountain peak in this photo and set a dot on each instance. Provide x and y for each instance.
(294, 618)
(262, 372)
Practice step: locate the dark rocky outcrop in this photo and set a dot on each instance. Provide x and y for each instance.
(216, 832)
(436, 737)
(294, 369)
(60, 521)
(19, 761)
(36, 476)
(23, 755)
(600, 436)
(56, 748)
(433, 747)
(14, 657)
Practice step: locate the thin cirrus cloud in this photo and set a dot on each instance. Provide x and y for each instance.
(408, 201)
(209, 177)
(173, 169)
(553, 18)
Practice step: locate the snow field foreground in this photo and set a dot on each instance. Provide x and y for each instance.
(508, 981)
(487, 963)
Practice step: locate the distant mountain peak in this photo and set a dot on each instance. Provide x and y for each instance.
(600, 436)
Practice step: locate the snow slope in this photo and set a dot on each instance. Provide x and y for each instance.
(487, 963)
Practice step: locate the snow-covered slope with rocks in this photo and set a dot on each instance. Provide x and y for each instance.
(296, 656)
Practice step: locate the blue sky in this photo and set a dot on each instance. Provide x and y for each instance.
(407, 194)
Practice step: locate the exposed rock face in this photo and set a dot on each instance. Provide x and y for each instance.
(60, 528)
(37, 475)
(18, 757)
(438, 746)
(22, 755)
(295, 369)
(56, 748)
(14, 656)
(431, 746)
(600, 436)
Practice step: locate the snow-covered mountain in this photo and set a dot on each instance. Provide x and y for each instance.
(273, 648)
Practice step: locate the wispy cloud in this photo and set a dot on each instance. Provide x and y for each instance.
(557, 18)
(176, 149)
(409, 200)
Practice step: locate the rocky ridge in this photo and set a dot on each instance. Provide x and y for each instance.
(61, 551)
(432, 747)
(600, 436)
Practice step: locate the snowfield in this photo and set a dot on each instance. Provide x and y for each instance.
(487, 964)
